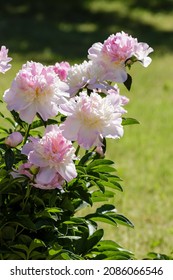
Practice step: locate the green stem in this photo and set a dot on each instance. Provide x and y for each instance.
(26, 134)
(77, 150)
(28, 190)
(44, 122)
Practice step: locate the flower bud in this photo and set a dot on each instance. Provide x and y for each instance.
(14, 139)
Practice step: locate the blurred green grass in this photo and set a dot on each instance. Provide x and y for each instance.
(50, 31)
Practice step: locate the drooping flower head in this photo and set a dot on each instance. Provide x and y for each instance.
(4, 60)
(53, 155)
(90, 118)
(114, 53)
(36, 89)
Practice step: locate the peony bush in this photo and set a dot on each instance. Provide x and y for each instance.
(53, 153)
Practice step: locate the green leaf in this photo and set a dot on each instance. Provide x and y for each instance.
(100, 185)
(25, 222)
(9, 159)
(104, 168)
(113, 185)
(54, 210)
(94, 239)
(101, 218)
(86, 158)
(120, 219)
(36, 243)
(129, 121)
(105, 208)
(97, 196)
(98, 162)
(128, 82)
(4, 129)
(8, 233)
(10, 121)
(108, 245)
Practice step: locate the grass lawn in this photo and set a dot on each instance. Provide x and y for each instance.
(144, 156)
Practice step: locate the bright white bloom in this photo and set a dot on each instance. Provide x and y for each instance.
(90, 118)
(36, 89)
(53, 155)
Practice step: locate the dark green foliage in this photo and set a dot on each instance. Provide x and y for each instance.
(45, 224)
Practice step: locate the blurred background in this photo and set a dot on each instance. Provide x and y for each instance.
(51, 31)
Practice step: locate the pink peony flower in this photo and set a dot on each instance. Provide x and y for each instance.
(4, 60)
(14, 139)
(54, 156)
(61, 69)
(115, 51)
(36, 89)
(90, 118)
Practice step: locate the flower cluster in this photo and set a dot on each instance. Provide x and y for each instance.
(84, 100)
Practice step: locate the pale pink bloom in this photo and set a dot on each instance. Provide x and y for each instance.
(61, 69)
(36, 89)
(113, 54)
(90, 118)
(14, 139)
(56, 183)
(52, 154)
(86, 74)
(4, 60)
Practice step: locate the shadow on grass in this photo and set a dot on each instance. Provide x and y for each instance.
(64, 30)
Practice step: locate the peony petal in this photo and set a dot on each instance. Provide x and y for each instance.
(87, 137)
(45, 175)
(28, 113)
(68, 172)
